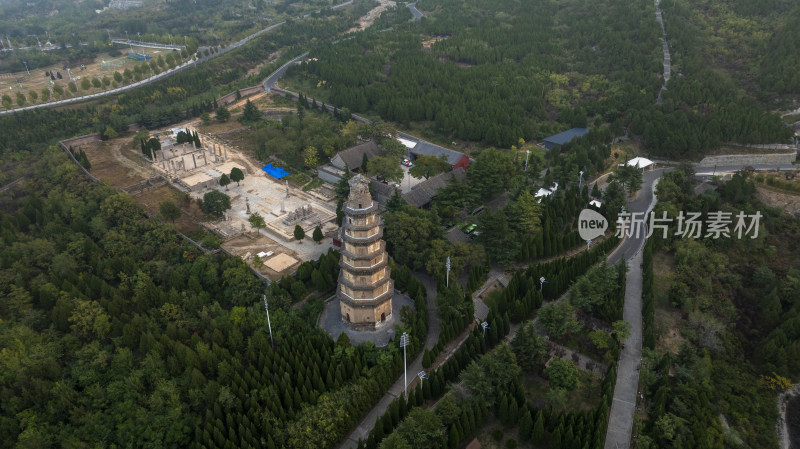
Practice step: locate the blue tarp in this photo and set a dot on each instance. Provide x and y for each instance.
(275, 172)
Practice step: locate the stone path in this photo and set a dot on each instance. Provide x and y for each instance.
(665, 49)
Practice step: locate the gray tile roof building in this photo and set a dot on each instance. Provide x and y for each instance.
(352, 157)
(422, 194)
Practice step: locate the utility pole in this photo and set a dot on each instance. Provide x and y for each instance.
(403, 344)
(269, 325)
(447, 264)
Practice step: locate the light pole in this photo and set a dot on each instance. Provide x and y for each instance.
(447, 264)
(26, 67)
(589, 243)
(421, 376)
(403, 344)
(580, 181)
(269, 325)
(541, 283)
(527, 155)
(485, 326)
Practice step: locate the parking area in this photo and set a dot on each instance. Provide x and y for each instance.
(408, 181)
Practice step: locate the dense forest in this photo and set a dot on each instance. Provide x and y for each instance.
(737, 303)
(115, 330)
(495, 72)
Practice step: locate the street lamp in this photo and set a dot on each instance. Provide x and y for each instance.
(527, 155)
(421, 376)
(447, 264)
(403, 344)
(26, 67)
(485, 326)
(268, 323)
(541, 283)
(580, 182)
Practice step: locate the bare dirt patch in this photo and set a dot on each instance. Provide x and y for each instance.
(110, 166)
(790, 204)
(368, 18)
(251, 244)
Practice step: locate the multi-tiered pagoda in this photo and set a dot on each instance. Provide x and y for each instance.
(365, 287)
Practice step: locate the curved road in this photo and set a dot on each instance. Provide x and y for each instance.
(417, 14)
(170, 72)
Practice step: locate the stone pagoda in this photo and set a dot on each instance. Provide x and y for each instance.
(365, 287)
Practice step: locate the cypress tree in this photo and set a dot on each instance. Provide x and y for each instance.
(537, 434)
(525, 426)
(453, 438)
(402, 409)
(555, 439)
(502, 409)
(513, 411)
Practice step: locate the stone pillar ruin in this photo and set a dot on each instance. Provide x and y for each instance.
(194, 161)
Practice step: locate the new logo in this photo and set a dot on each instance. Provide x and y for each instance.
(591, 224)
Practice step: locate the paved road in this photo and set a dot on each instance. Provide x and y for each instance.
(643, 200)
(417, 14)
(620, 421)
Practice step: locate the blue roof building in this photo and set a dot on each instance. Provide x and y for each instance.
(562, 138)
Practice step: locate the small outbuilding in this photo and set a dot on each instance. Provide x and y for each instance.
(563, 137)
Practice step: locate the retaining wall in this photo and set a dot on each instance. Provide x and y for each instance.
(231, 97)
(749, 159)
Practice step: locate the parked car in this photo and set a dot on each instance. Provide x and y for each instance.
(405, 161)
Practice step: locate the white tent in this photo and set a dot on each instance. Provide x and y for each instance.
(640, 162)
(407, 143)
(595, 203)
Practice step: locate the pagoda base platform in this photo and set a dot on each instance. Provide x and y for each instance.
(331, 321)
